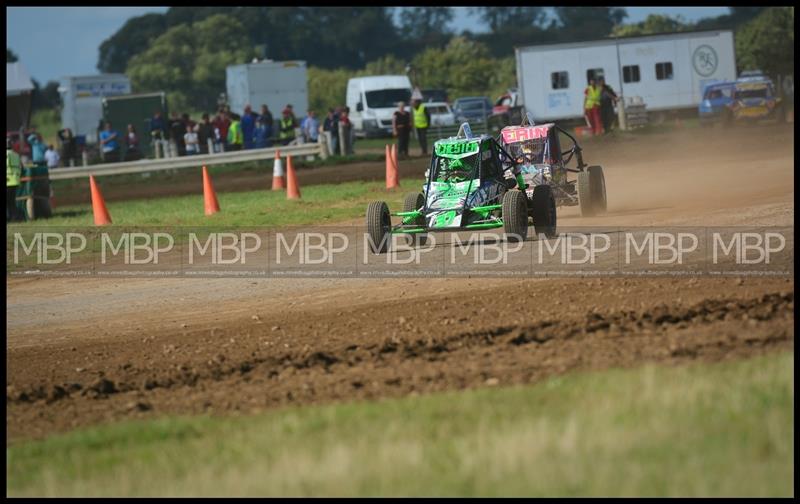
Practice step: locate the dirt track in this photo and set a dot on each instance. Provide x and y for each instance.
(83, 351)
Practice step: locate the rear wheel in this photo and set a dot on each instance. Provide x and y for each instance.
(379, 226)
(515, 215)
(544, 211)
(592, 191)
(412, 202)
(598, 188)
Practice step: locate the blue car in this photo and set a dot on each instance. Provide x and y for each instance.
(716, 102)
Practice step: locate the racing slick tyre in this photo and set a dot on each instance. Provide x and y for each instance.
(544, 211)
(412, 202)
(379, 226)
(597, 180)
(515, 216)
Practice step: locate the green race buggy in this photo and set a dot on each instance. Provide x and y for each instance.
(483, 183)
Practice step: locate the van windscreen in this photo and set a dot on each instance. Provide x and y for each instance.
(385, 98)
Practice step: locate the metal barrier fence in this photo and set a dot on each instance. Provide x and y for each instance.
(144, 165)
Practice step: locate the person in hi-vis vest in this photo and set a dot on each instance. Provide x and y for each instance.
(422, 119)
(591, 106)
(13, 176)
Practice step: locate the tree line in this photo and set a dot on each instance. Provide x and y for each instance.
(185, 51)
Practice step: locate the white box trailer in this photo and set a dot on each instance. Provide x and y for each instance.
(271, 83)
(82, 97)
(668, 71)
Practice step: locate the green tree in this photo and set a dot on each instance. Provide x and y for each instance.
(464, 67)
(133, 38)
(767, 42)
(10, 56)
(46, 97)
(586, 23)
(189, 61)
(654, 23)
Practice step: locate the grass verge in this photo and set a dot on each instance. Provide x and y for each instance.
(320, 204)
(700, 430)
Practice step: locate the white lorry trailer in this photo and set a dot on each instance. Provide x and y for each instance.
(373, 100)
(271, 83)
(668, 71)
(83, 101)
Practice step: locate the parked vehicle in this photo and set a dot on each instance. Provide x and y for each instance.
(472, 109)
(434, 95)
(83, 101)
(373, 100)
(754, 99)
(271, 83)
(716, 99)
(441, 114)
(669, 71)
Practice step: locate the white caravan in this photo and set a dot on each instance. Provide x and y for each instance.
(271, 83)
(83, 101)
(373, 100)
(668, 71)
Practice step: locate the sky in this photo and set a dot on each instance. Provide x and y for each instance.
(53, 42)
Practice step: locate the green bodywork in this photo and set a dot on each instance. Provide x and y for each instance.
(453, 179)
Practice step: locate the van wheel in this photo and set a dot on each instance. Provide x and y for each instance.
(543, 205)
(515, 216)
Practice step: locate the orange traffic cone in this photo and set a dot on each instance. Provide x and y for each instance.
(209, 196)
(101, 217)
(391, 170)
(277, 173)
(396, 166)
(292, 190)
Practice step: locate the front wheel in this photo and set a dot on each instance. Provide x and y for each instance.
(379, 227)
(544, 211)
(515, 215)
(411, 203)
(592, 191)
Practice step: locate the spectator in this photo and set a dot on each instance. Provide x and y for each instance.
(52, 157)
(69, 147)
(109, 144)
(266, 115)
(187, 121)
(345, 128)
(330, 126)
(205, 131)
(176, 131)
(132, 152)
(422, 119)
(158, 128)
(191, 141)
(221, 124)
(591, 106)
(261, 135)
(608, 98)
(248, 126)
(401, 128)
(287, 125)
(311, 127)
(38, 149)
(13, 176)
(235, 140)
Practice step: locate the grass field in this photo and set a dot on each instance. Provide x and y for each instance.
(320, 204)
(701, 430)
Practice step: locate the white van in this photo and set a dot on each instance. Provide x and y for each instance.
(373, 100)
